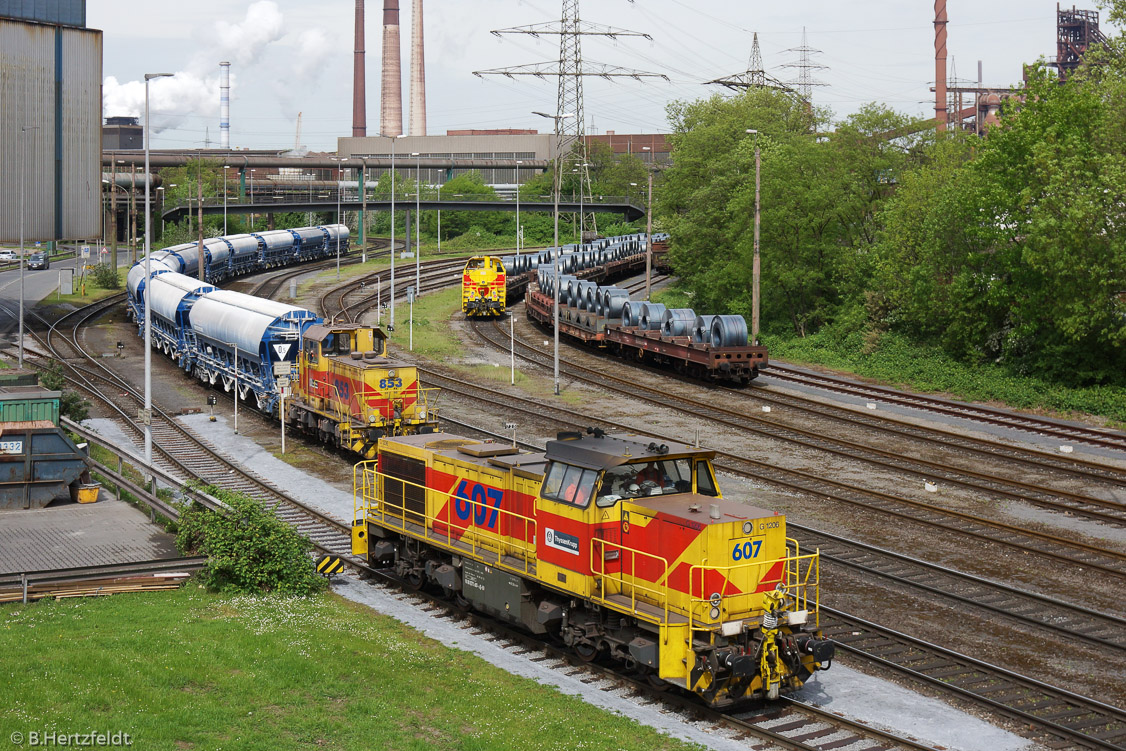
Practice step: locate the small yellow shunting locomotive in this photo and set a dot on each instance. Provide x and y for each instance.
(621, 548)
(349, 393)
(483, 287)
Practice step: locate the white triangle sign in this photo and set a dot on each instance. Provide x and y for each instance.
(282, 350)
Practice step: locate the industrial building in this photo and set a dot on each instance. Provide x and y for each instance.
(50, 121)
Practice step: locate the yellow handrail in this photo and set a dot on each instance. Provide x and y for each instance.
(661, 593)
(370, 488)
(797, 581)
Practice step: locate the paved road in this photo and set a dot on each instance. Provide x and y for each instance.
(37, 286)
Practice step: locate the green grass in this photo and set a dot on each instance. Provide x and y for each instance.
(194, 670)
(433, 337)
(672, 296)
(93, 294)
(895, 360)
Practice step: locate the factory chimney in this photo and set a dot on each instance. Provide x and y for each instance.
(359, 84)
(940, 63)
(224, 105)
(418, 73)
(391, 89)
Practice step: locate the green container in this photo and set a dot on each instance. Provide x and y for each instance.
(15, 377)
(27, 404)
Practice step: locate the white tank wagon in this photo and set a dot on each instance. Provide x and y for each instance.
(261, 332)
(173, 296)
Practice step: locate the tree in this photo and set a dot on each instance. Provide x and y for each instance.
(1017, 255)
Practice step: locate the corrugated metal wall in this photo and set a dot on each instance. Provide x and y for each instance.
(66, 12)
(51, 82)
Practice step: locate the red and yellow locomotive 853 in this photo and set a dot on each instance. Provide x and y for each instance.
(621, 548)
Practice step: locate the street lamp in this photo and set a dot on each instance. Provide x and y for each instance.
(755, 264)
(225, 168)
(146, 416)
(558, 118)
(582, 186)
(391, 325)
(518, 233)
(417, 230)
(23, 189)
(339, 182)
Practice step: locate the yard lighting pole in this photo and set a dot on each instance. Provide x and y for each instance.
(755, 264)
(339, 182)
(23, 190)
(417, 231)
(649, 227)
(391, 325)
(225, 168)
(146, 417)
(558, 118)
(518, 233)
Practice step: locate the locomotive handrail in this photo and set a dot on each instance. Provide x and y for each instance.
(661, 593)
(797, 584)
(472, 534)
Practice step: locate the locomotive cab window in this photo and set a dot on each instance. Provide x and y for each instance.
(705, 483)
(475, 264)
(656, 477)
(569, 484)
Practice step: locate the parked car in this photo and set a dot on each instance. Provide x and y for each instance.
(38, 261)
(7, 255)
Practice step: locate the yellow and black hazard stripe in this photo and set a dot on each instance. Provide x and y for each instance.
(329, 565)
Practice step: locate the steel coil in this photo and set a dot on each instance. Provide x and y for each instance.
(678, 322)
(631, 311)
(651, 315)
(702, 329)
(729, 331)
(613, 299)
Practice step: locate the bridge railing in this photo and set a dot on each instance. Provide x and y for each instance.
(267, 198)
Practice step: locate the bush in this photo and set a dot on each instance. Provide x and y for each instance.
(71, 403)
(106, 276)
(248, 548)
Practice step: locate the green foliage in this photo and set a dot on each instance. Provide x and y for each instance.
(248, 548)
(819, 199)
(106, 276)
(71, 403)
(1013, 252)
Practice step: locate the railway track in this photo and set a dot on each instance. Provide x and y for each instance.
(182, 452)
(899, 460)
(510, 404)
(1061, 549)
(1055, 428)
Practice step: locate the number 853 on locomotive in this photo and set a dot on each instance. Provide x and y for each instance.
(623, 549)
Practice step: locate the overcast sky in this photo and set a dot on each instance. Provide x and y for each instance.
(291, 56)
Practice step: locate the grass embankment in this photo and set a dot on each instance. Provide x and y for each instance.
(193, 670)
(893, 359)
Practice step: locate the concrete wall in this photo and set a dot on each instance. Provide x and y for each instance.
(52, 83)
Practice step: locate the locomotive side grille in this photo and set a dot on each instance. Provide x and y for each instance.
(399, 498)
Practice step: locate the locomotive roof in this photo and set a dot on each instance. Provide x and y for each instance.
(697, 508)
(319, 331)
(601, 450)
(474, 451)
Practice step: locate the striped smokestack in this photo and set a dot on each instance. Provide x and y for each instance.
(359, 83)
(224, 105)
(418, 73)
(391, 90)
(940, 63)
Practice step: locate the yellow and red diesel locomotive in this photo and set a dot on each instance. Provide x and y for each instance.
(624, 549)
(349, 393)
(483, 287)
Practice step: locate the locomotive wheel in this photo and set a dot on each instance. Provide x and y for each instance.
(656, 682)
(587, 652)
(414, 580)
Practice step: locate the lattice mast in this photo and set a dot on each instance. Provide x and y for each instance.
(570, 70)
(755, 76)
(805, 81)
